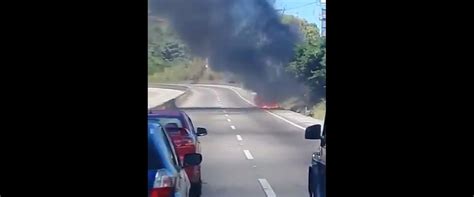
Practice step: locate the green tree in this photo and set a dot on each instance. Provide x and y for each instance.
(172, 51)
(165, 49)
(169, 59)
(309, 62)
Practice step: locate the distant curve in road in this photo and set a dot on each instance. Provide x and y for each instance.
(247, 152)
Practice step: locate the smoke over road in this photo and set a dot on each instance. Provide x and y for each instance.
(244, 37)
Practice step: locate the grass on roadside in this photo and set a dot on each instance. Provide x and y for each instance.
(295, 104)
(183, 72)
(319, 110)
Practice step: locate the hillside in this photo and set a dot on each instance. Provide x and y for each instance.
(169, 59)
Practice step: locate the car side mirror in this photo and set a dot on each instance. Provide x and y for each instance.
(192, 159)
(201, 131)
(313, 132)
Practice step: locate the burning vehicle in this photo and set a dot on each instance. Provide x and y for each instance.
(265, 103)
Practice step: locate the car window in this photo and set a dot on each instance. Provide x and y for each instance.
(190, 123)
(171, 150)
(169, 121)
(161, 136)
(154, 160)
(244, 70)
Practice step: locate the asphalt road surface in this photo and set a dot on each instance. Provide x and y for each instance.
(248, 151)
(157, 96)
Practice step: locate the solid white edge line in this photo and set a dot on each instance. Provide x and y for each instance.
(228, 120)
(281, 118)
(232, 127)
(267, 188)
(273, 114)
(248, 154)
(239, 137)
(238, 94)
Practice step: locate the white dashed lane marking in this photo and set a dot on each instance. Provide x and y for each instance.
(267, 188)
(232, 126)
(239, 137)
(228, 120)
(248, 154)
(215, 92)
(281, 118)
(238, 94)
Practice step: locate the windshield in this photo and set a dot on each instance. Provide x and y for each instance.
(160, 147)
(154, 161)
(168, 122)
(250, 75)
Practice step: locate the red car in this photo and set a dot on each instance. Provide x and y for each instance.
(185, 137)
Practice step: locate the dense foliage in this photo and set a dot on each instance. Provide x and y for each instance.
(169, 59)
(309, 62)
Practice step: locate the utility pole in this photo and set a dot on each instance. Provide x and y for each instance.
(323, 18)
(281, 10)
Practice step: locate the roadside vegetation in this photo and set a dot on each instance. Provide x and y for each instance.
(169, 60)
(309, 65)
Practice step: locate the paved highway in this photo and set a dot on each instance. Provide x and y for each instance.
(248, 151)
(157, 96)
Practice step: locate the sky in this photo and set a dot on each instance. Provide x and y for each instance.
(310, 13)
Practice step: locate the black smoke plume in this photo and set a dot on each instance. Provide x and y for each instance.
(244, 37)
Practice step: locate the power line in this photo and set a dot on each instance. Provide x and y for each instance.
(301, 6)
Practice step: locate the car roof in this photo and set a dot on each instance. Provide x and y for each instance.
(159, 147)
(166, 112)
(157, 136)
